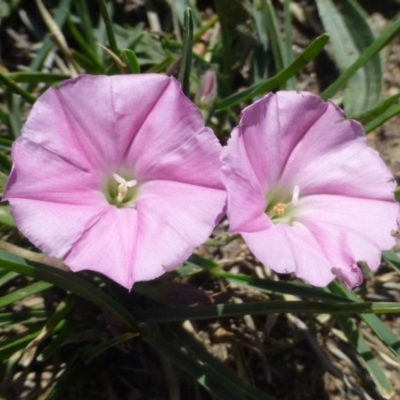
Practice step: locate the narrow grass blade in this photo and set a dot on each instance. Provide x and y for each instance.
(12, 318)
(392, 259)
(199, 371)
(130, 59)
(385, 116)
(109, 28)
(5, 216)
(24, 292)
(299, 63)
(9, 276)
(174, 314)
(274, 34)
(350, 35)
(6, 81)
(375, 112)
(214, 368)
(85, 47)
(11, 346)
(86, 23)
(68, 281)
(179, 8)
(37, 77)
(366, 357)
(269, 286)
(379, 43)
(95, 351)
(186, 64)
(384, 333)
(288, 59)
(60, 16)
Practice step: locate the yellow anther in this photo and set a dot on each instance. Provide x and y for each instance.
(279, 209)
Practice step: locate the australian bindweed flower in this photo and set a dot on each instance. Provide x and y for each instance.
(117, 175)
(305, 191)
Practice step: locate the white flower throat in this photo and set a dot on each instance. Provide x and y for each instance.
(280, 208)
(123, 186)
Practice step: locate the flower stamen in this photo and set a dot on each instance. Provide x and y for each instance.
(279, 209)
(123, 186)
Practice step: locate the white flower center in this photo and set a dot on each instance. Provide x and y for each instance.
(123, 186)
(281, 208)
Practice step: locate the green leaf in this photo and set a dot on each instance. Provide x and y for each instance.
(202, 371)
(37, 77)
(392, 259)
(350, 35)
(274, 34)
(109, 27)
(12, 318)
(375, 112)
(174, 314)
(288, 55)
(10, 346)
(299, 63)
(269, 286)
(179, 8)
(5, 216)
(86, 22)
(130, 59)
(366, 357)
(186, 64)
(68, 281)
(381, 119)
(24, 292)
(59, 17)
(83, 44)
(95, 351)
(381, 41)
(7, 82)
(387, 337)
(232, 386)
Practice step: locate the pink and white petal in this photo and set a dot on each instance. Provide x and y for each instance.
(194, 161)
(53, 227)
(351, 276)
(173, 219)
(41, 175)
(173, 144)
(108, 246)
(350, 229)
(246, 199)
(50, 127)
(287, 249)
(114, 110)
(273, 126)
(353, 169)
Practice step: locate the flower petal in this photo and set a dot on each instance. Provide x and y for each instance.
(273, 126)
(54, 227)
(350, 229)
(173, 219)
(75, 129)
(108, 246)
(172, 143)
(246, 199)
(287, 249)
(45, 176)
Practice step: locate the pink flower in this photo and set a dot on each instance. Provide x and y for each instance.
(117, 175)
(305, 191)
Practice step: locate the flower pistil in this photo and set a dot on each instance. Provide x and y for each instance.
(123, 186)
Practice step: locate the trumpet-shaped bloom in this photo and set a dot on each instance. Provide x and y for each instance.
(117, 175)
(306, 192)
